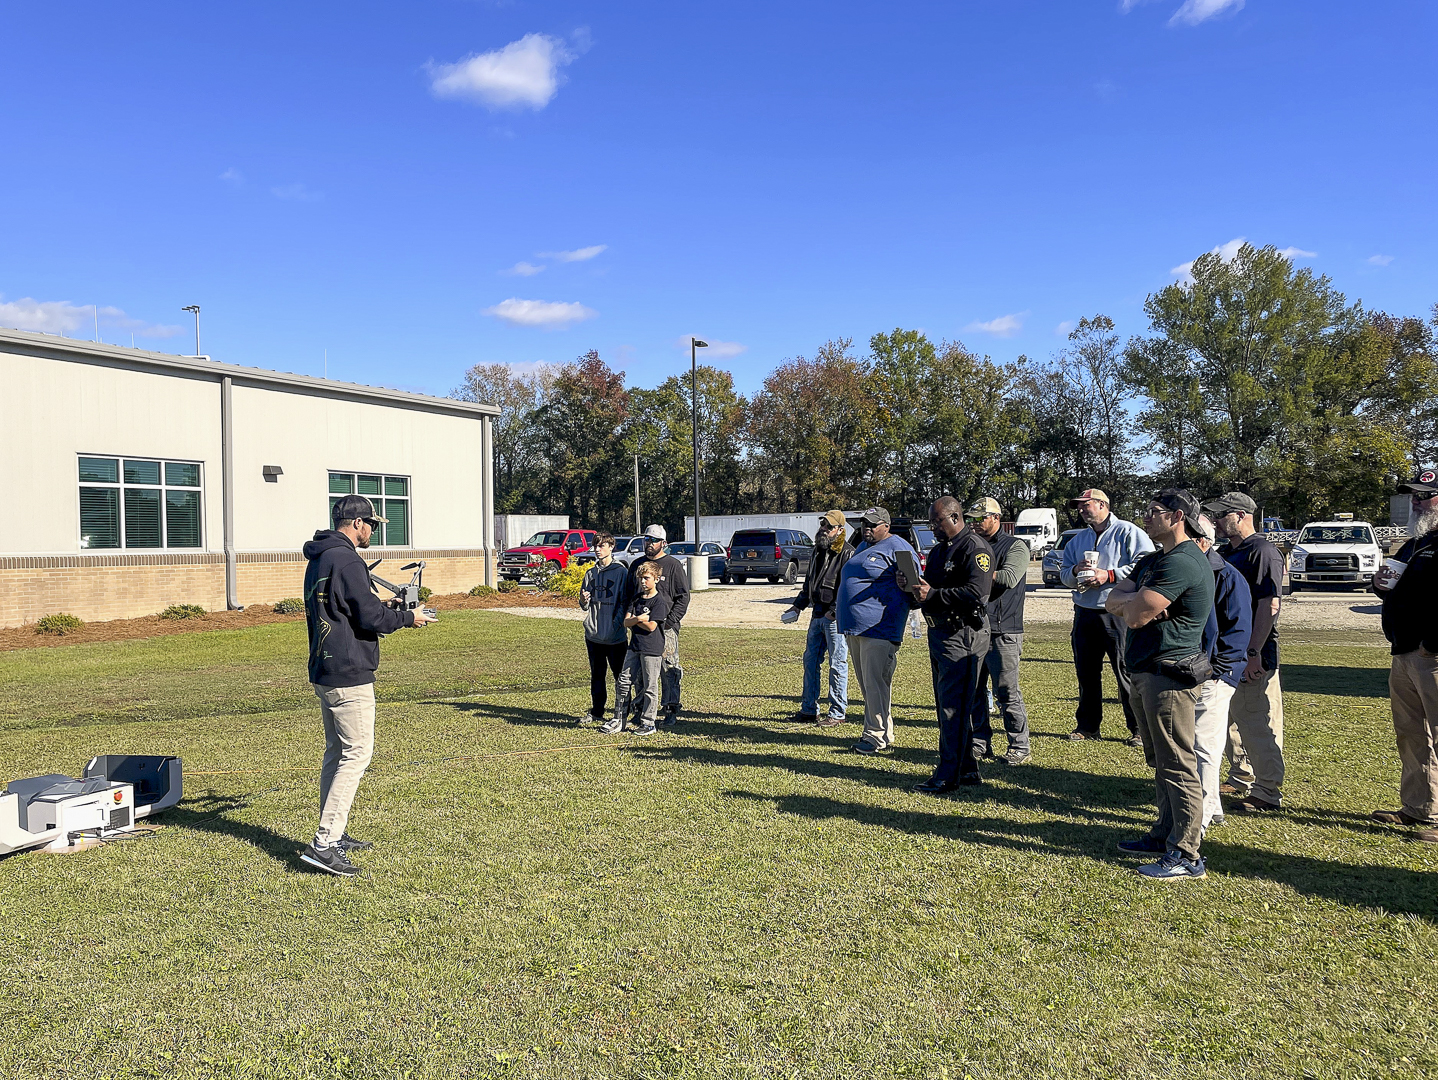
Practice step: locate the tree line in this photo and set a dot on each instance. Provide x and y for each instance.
(1254, 375)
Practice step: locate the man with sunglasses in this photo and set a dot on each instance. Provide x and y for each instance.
(954, 595)
(345, 620)
(1165, 603)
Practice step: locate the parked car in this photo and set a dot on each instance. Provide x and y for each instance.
(553, 546)
(1334, 553)
(778, 554)
(718, 561)
(1055, 557)
(628, 549)
(920, 537)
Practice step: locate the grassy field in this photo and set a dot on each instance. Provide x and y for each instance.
(738, 898)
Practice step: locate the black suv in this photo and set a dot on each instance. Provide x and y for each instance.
(778, 554)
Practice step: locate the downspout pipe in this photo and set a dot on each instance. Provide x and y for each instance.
(486, 497)
(227, 490)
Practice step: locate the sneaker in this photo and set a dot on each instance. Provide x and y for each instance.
(332, 860)
(1426, 836)
(1394, 817)
(863, 746)
(1217, 819)
(1080, 736)
(1144, 845)
(804, 718)
(1017, 757)
(349, 843)
(830, 721)
(1254, 805)
(1226, 788)
(614, 727)
(587, 718)
(1174, 867)
(644, 729)
(1135, 741)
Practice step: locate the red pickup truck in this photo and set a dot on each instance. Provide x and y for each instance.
(553, 546)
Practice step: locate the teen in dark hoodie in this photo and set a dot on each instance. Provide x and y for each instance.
(345, 620)
(831, 552)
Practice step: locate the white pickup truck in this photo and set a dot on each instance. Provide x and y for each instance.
(1334, 553)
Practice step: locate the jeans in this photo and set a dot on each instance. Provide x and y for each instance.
(1096, 635)
(600, 658)
(956, 660)
(671, 674)
(640, 678)
(1001, 666)
(348, 713)
(824, 637)
(1165, 711)
(1210, 729)
(875, 660)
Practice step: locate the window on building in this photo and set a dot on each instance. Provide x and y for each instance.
(390, 495)
(140, 503)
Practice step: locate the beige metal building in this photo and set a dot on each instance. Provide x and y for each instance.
(138, 480)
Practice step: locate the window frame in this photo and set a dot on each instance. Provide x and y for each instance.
(164, 487)
(378, 500)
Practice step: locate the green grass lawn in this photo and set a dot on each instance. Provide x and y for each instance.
(738, 898)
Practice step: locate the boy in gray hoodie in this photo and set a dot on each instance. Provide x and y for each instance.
(604, 597)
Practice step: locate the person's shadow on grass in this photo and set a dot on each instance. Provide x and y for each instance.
(211, 813)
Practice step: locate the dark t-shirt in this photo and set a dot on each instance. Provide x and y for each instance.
(1261, 565)
(656, 609)
(1184, 577)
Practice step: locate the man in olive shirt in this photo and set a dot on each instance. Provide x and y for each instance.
(1165, 604)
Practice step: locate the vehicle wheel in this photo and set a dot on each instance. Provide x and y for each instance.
(791, 573)
(552, 566)
(773, 579)
(740, 579)
(725, 579)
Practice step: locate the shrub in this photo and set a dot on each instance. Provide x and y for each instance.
(540, 573)
(59, 624)
(291, 605)
(425, 592)
(182, 611)
(485, 590)
(568, 580)
(507, 585)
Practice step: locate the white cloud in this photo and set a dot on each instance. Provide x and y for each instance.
(1379, 260)
(717, 350)
(1291, 253)
(1003, 326)
(1227, 252)
(1064, 328)
(523, 74)
(1194, 12)
(233, 177)
(296, 193)
(62, 317)
(583, 254)
(524, 269)
(546, 314)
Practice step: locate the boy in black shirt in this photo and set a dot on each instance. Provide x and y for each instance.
(647, 612)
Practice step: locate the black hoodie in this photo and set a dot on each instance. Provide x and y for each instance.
(343, 614)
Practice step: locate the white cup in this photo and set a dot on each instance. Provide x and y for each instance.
(1393, 570)
(1090, 559)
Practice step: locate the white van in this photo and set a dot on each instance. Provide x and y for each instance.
(1039, 528)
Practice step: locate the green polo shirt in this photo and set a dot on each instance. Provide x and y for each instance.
(1184, 577)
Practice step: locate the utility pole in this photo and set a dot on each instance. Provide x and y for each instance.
(698, 564)
(638, 528)
(196, 309)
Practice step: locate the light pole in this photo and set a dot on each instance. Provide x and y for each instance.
(196, 309)
(698, 564)
(638, 528)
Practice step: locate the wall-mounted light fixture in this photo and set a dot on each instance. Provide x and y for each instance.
(273, 474)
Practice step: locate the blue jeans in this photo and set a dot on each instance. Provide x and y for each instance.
(824, 637)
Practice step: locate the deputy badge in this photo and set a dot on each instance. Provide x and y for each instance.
(983, 560)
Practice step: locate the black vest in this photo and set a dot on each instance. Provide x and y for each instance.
(1006, 606)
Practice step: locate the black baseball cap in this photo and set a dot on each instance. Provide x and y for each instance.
(1231, 502)
(875, 515)
(354, 506)
(1179, 499)
(1425, 484)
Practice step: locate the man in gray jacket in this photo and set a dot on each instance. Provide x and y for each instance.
(1006, 637)
(1117, 547)
(603, 596)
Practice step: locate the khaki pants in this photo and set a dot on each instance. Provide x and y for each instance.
(1165, 713)
(1413, 693)
(348, 713)
(1257, 712)
(1210, 723)
(874, 660)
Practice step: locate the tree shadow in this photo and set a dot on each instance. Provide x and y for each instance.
(1393, 889)
(1334, 681)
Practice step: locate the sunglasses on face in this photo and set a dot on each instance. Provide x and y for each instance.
(1154, 511)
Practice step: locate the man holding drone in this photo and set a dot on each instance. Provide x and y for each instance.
(345, 620)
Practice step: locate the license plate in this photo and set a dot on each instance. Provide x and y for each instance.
(751, 554)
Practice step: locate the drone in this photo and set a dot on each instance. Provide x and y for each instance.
(406, 597)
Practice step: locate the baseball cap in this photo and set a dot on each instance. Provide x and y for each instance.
(1086, 494)
(656, 532)
(1425, 483)
(1231, 502)
(354, 506)
(1203, 526)
(875, 515)
(834, 518)
(1179, 499)
(982, 508)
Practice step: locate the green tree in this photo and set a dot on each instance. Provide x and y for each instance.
(576, 427)
(519, 463)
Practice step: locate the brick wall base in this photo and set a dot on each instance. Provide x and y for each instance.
(101, 587)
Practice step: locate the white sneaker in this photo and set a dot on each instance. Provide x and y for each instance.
(614, 727)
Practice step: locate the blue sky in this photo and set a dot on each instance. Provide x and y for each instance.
(415, 188)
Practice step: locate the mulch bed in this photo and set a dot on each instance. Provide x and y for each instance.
(147, 626)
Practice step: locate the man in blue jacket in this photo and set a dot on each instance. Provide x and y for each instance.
(871, 611)
(1225, 639)
(345, 619)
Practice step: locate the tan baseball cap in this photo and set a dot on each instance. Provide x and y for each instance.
(982, 508)
(1087, 494)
